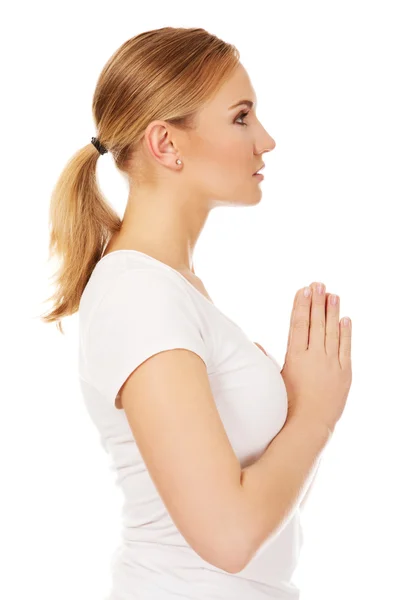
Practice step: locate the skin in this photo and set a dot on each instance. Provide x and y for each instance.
(168, 203)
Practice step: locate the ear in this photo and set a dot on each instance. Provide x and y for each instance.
(261, 348)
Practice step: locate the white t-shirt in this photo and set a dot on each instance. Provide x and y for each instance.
(133, 307)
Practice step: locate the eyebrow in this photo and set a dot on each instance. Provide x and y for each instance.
(249, 103)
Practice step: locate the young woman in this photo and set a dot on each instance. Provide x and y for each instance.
(212, 443)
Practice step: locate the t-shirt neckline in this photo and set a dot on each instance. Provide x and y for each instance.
(171, 269)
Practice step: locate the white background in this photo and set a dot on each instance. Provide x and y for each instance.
(326, 75)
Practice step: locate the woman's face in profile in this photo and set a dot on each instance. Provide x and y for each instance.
(227, 145)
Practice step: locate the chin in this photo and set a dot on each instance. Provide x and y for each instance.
(241, 199)
(253, 199)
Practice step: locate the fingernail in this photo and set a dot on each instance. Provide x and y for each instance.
(307, 291)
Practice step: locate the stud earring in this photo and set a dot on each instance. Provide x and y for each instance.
(178, 161)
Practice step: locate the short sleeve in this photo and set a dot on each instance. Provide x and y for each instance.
(145, 312)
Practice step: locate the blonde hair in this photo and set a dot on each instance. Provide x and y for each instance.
(163, 74)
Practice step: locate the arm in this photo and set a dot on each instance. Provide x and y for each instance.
(272, 486)
(303, 502)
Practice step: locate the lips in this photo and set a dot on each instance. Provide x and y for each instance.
(258, 172)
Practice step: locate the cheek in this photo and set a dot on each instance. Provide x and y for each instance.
(217, 159)
(235, 158)
(224, 158)
(226, 145)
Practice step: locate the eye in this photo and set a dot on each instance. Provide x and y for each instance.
(242, 116)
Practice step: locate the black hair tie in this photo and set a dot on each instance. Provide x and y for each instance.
(100, 147)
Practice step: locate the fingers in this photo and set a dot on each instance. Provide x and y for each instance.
(332, 329)
(299, 323)
(315, 323)
(337, 337)
(345, 345)
(317, 326)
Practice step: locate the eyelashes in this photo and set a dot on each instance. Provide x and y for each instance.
(242, 115)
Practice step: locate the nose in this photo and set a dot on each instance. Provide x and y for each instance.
(269, 144)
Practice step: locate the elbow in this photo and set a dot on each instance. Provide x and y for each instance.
(234, 565)
(230, 555)
(235, 554)
(226, 545)
(238, 548)
(238, 567)
(237, 563)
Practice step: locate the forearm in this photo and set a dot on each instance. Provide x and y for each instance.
(303, 502)
(274, 483)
